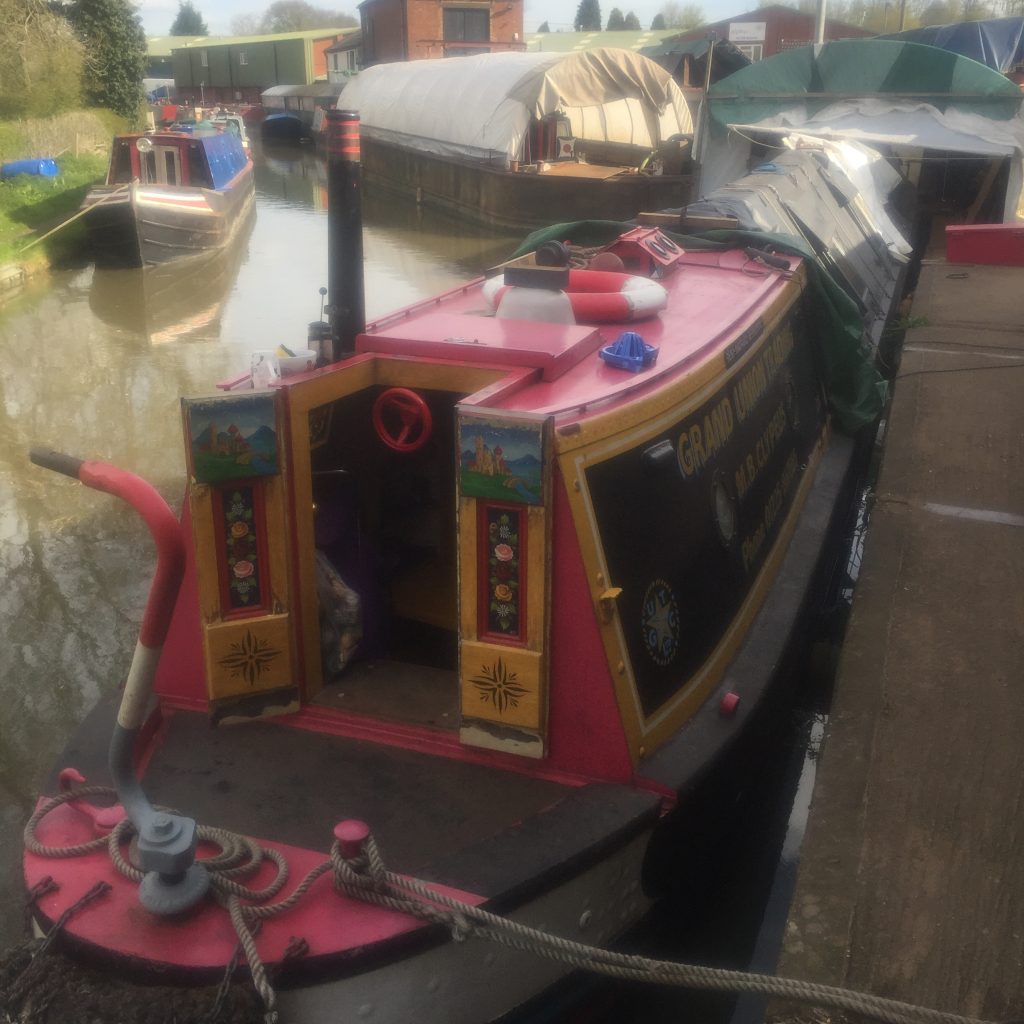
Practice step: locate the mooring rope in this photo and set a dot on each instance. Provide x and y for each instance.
(367, 878)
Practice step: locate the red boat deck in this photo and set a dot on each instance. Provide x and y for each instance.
(706, 309)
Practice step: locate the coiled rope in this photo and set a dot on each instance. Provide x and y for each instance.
(366, 877)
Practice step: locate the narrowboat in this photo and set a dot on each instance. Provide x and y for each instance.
(228, 121)
(170, 195)
(547, 137)
(478, 602)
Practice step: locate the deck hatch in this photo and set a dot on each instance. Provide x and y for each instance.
(551, 348)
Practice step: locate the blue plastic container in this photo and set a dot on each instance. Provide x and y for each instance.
(629, 352)
(46, 168)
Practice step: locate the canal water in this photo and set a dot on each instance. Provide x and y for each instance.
(94, 362)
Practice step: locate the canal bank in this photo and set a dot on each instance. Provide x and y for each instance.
(32, 205)
(911, 877)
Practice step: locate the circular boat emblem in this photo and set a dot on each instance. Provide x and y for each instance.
(660, 622)
(725, 510)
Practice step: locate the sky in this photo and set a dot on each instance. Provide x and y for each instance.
(158, 15)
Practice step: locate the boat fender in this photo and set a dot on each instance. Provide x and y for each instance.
(600, 296)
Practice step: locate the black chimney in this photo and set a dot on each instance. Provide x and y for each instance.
(344, 232)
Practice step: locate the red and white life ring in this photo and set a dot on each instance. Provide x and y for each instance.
(600, 296)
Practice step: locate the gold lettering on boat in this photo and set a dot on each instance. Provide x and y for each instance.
(701, 441)
(754, 541)
(754, 462)
(754, 382)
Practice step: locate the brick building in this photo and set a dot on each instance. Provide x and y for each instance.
(418, 29)
(770, 30)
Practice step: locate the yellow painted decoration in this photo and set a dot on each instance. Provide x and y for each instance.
(246, 656)
(502, 685)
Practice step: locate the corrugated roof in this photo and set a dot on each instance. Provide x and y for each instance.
(312, 89)
(190, 42)
(161, 46)
(568, 42)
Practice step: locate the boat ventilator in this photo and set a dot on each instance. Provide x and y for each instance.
(360, 872)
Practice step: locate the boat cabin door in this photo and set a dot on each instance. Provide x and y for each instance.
(159, 165)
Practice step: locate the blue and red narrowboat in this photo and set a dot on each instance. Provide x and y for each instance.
(170, 195)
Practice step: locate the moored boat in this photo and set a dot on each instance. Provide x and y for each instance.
(503, 587)
(546, 137)
(229, 121)
(170, 195)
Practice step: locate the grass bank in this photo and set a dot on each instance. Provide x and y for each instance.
(31, 205)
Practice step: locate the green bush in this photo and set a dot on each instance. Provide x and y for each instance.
(40, 61)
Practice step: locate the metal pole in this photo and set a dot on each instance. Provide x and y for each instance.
(819, 27)
(344, 232)
(704, 121)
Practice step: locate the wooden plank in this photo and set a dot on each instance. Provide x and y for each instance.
(986, 187)
(684, 221)
(659, 220)
(706, 222)
(574, 170)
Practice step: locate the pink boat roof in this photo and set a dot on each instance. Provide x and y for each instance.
(713, 298)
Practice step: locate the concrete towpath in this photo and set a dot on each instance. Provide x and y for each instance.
(911, 882)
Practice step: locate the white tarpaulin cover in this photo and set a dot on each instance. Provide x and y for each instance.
(481, 106)
(899, 96)
(900, 125)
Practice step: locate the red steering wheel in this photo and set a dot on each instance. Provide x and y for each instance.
(402, 419)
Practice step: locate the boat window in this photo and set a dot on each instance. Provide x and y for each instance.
(198, 173)
(171, 166)
(386, 541)
(121, 166)
(147, 167)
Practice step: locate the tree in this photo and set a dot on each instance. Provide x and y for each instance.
(616, 22)
(976, 10)
(245, 25)
(632, 23)
(189, 21)
(115, 54)
(684, 16)
(658, 23)
(544, 27)
(297, 16)
(40, 61)
(588, 16)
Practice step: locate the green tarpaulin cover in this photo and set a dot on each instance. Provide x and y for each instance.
(816, 77)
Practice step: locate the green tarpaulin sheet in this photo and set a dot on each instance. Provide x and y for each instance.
(816, 77)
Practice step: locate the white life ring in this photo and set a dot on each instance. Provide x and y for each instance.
(600, 296)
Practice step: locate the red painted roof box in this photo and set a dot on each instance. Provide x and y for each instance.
(646, 251)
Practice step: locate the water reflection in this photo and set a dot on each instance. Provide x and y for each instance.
(94, 363)
(178, 301)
